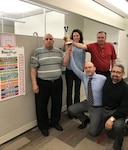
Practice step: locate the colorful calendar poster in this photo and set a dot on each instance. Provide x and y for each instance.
(12, 72)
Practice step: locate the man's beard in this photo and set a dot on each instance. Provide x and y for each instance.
(115, 79)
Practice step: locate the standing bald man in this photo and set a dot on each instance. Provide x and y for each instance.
(46, 70)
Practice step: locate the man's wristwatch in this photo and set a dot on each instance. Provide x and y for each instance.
(112, 118)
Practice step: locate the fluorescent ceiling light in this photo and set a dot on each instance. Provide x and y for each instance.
(120, 4)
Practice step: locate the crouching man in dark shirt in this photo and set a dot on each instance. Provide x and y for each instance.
(115, 106)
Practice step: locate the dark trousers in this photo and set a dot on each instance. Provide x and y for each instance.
(70, 77)
(95, 113)
(119, 130)
(47, 90)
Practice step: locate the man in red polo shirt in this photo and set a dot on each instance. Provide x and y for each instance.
(103, 54)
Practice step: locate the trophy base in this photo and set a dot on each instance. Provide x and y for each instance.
(68, 43)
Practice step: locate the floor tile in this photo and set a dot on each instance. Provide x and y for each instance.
(87, 144)
(55, 144)
(17, 144)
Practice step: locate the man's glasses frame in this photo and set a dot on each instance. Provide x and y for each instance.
(117, 72)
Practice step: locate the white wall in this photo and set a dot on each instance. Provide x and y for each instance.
(31, 25)
(54, 25)
(74, 21)
(91, 28)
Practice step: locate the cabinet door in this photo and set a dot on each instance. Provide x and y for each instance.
(123, 50)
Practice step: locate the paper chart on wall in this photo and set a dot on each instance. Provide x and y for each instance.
(12, 72)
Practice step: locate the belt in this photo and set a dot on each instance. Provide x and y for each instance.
(108, 108)
(55, 80)
(97, 106)
(50, 80)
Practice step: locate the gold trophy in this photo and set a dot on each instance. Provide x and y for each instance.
(68, 40)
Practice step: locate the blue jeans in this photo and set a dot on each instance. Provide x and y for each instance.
(78, 110)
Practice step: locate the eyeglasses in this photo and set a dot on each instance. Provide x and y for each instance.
(117, 72)
(48, 39)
